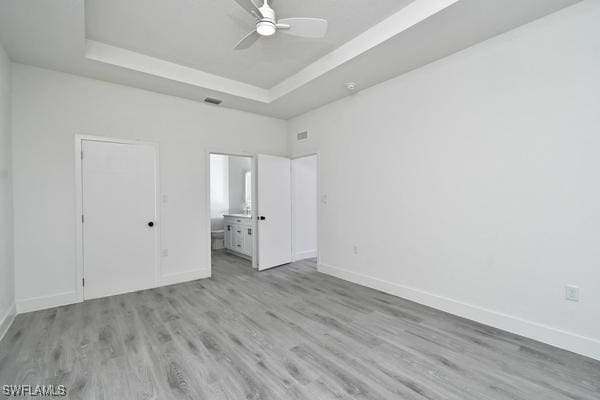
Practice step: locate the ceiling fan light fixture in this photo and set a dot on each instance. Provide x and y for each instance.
(267, 24)
(265, 28)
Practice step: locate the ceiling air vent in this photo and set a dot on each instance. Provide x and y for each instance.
(302, 135)
(212, 100)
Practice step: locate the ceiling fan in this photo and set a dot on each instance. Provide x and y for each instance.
(267, 24)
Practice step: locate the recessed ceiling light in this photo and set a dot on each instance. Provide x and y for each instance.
(350, 85)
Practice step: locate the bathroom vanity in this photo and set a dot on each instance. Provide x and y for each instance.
(238, 234)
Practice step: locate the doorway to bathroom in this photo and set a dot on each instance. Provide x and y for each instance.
(231, 209)
(263, 209)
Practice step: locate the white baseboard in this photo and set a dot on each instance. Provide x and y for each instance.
(565, 340)
(7, 319)
(179, 277)
(43, 302)
(303, 255)
(61, 299)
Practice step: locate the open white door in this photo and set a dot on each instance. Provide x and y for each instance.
(274, 211)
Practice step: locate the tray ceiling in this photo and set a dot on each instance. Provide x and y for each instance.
(185, 47)
(201, 34)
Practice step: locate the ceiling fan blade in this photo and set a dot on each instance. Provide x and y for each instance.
(249, 6)
(247, 41)
(305, 27)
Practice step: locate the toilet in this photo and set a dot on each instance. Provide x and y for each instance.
(217, 239)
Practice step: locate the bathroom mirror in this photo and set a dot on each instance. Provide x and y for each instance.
(248, 189)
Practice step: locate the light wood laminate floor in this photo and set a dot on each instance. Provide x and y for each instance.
(286, 333)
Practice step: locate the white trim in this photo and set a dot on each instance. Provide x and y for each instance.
(49, 301)
(255, 255)
(79, 275)
(402, 20)
(232, 153)
(78, 225)
(303, 255)
(135, 61)
(185, 276)
(566, 340)
(7, 319)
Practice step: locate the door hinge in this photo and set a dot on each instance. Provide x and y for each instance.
(82, 281)
(82, 155)
(82, 218)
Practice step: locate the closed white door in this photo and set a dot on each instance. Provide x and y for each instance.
(120, 235)
(274, 211)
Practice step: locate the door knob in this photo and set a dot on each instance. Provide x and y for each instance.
(262, 218)
(151, 224)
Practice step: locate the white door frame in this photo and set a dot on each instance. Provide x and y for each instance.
(232, 153)
(79, 138)
(318, 200)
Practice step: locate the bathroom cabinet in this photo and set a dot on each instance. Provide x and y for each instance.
(238, 234)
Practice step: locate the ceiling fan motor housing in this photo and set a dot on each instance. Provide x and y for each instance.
(266, 26)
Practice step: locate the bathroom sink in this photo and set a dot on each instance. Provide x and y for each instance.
(238, 215)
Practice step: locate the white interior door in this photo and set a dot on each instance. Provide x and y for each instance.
(274, 211)
(120, 236)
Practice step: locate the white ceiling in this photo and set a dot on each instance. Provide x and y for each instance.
(202, 33)
(163, 45)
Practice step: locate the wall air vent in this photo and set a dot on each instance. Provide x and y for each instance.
(212, 100)
(302, 135)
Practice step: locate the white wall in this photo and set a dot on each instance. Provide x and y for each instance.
(49, 108)
(7, 280)
(473, 184)
(304, 207)
(219, 190)
(237, 183)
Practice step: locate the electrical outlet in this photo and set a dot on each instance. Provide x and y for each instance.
(324, 199)
(572, 293)
(165, 198)
(164, 252)
(355, 249)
